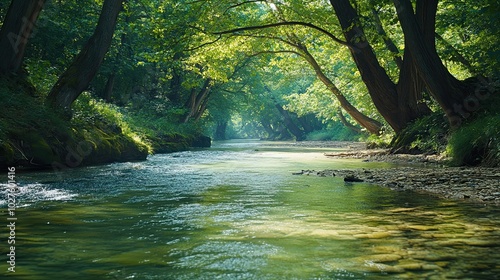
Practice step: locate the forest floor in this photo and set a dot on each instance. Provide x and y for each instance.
(420, 173)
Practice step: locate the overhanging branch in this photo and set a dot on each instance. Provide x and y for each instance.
(286, 23)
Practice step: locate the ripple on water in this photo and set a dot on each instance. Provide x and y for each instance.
(29, 193)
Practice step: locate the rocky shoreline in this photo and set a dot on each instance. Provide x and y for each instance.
(421, 173)
(481, 185)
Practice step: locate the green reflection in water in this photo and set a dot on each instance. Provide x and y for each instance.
(242, 215)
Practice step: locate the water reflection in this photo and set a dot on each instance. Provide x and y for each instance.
(236, 212)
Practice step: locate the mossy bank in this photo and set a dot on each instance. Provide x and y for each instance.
(35, 136)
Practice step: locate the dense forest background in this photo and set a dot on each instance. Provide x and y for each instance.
(91, 81)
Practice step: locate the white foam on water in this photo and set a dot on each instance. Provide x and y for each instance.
(29, 193)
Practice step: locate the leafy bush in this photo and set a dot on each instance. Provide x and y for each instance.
(335, 132)
(90, 112)
(476, 142)
(378, 141)
(425, 135)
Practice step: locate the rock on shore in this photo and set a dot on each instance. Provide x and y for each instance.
(476, 184)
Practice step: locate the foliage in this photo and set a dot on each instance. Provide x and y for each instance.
(334, 132)
(95, 113)
(425, 135)
(478, 140)
(379, 141)
(164, 51)
(22, 111)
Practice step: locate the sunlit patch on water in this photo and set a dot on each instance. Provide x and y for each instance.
(29, 193)
(237, 212)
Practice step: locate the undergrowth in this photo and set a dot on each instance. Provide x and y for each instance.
(425, 135)
(334, 132)
(477, 141)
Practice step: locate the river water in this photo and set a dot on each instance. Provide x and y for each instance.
(235, 211)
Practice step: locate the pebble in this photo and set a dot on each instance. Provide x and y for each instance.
(475, 184)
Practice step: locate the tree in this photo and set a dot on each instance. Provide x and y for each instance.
(17, 28)
(290, 38)
(83, 69)
(398, 104)
(419, 30)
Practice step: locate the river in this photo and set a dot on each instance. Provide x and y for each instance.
(235, 211)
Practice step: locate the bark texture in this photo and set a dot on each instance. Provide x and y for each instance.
(83, 69)
(17, 28)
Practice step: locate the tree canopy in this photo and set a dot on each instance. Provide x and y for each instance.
(260, 68)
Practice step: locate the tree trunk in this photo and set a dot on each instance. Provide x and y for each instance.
(290, 124)
(108, 89)
(83, 69)
(197, 103)
(370, 124)
(220, 130)
(17, 28)
(389, 44)
(419, 34)
(346, 123)
(308, 122)
(396, 104)
(410, 87)
(268, 128)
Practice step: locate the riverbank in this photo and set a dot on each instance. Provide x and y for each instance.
(420, 173)
(35, 137)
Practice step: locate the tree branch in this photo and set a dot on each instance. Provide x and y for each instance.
(286, 23)
(205, 44)
(241, 4)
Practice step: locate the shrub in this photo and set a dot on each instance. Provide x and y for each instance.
(335, 132)
(477, 142)
(425, 135)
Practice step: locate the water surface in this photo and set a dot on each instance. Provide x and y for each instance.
(235, 211)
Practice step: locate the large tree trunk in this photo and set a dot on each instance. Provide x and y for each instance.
(370, 124)
(419, 34)
(17, 28)
(380, 87)
(389, 44)
(83, 69)
(398, 106)
(346, 123)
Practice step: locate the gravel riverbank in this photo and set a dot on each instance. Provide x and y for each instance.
(429, 175)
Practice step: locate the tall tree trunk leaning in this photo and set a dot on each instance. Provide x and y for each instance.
(373, 126)
(82, 70)
(197, 102)
(419, 31)
(17, 28)
(398, 104)
(292, 127)
(370, 124)
(346, 123)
